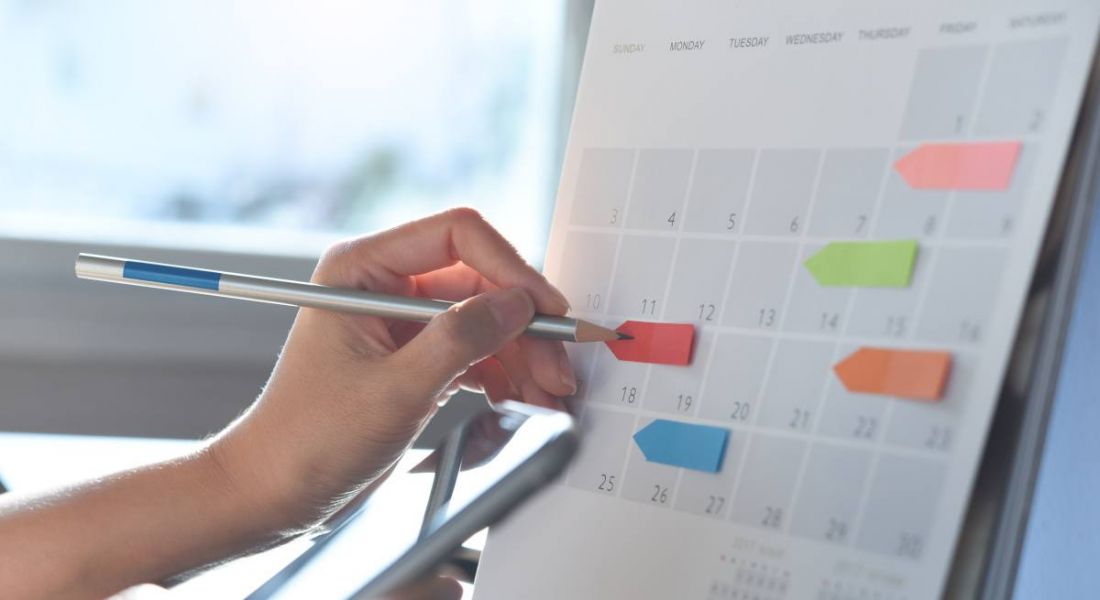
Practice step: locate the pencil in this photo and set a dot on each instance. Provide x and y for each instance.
(300, 293)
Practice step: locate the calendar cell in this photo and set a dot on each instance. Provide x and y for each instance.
(761, 275)
(846, 192)
(586, 289)
(719, 188)
(602, 185)
(849, 415)
(901, 504)
(828, 499)
(1021, 82)
(648, 482)
(942, 95)
(815, 308)
(735, 378)
(908, 213)
(641, 275)
(763, 497)
(616, 382)
(709, 494)
(699, 281)
(793, 391)
(961, 295)
(992, 214)
(781, 191)
(598, 467)
(890, 313)
(660, 188)
(675, 390)
(931, 425)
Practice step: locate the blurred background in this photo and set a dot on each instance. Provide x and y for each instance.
(243, 135)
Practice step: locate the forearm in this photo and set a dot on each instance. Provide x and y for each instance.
(138, 526)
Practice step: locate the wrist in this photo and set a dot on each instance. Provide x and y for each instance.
(266, 505)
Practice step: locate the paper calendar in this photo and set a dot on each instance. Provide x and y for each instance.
(846, 199)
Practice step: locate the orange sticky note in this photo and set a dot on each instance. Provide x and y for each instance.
(914, 374)
(974, 166)
(659, 343)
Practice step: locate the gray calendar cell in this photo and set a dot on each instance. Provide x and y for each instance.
(735, 378)
(641, 276)
(675, 390)
(962, 293)
(648, 482)
(660, 188)
(598, 467)
(795, 384)
(585, 269)
(931, 425)
(828, 499)
(765, 491)
(616, 382)
(709, 494)
(850, 415)
(814, 308)
(907, 213)
(847, 190)
(781, 191)
(719, 188)
(699, 281)
(888, 313)
(942, 95)
(761, 275)
(603, 182)
(901, 504)
(1021, 82)
(993, 214)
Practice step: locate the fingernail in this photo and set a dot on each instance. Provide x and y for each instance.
(562, 299)
(568, 378)
(512, 309)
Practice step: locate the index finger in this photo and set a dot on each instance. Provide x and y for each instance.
(441, 240)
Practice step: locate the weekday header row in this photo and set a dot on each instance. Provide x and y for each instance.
(825, 37)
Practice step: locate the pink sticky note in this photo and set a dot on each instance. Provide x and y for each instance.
(970, 166)
(658, 343)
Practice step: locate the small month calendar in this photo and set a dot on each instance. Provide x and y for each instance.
(845, 200)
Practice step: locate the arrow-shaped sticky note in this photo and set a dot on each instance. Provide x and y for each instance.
(973, 166)
(660, 343)
(864, 264)
(697, 447)
(914, 374)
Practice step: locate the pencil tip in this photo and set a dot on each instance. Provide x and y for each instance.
(624, 336)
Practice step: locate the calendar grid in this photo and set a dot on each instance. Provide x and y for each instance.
(812, 437)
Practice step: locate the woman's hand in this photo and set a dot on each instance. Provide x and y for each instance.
(346, 398)
(350, 392)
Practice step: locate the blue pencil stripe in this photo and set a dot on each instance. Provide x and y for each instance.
(207, 280)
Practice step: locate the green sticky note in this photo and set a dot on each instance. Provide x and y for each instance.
(864, 264)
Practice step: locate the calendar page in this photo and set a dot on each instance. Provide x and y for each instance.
(846, 199)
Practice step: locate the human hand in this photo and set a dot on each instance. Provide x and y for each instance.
(350, 392)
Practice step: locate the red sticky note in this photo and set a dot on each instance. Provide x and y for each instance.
(914, 374)
(972, 166)
(658, 343)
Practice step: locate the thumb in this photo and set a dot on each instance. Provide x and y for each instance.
(467, 333)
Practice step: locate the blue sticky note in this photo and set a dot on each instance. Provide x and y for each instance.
(687, 445)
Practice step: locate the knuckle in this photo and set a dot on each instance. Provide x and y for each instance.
(333, 261)
(453, 336)
(467, 216)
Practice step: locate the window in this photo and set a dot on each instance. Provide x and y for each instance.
(294, 121)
